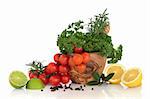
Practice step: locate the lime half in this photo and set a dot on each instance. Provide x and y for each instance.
(35, 84)
(17, 79)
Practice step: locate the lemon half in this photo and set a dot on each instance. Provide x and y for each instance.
(132, 77)
(118, 71)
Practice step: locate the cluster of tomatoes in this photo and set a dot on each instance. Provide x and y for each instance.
(78, 61)
(54, 73)
(57, 72)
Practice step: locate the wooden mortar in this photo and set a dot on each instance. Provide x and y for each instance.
(96, 64)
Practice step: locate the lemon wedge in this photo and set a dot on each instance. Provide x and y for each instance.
(118, 71)
(132, 77)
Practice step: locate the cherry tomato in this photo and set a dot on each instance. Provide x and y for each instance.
(63, 69)
(51, 68)
(33, 74)
(63, 59)
(43, 78)
(62, 74)
(71, 63)
(56, 57)
(65, 79)
(81, 68)
(86, 57)
(77, 59)
(78, 50)
(54, 80)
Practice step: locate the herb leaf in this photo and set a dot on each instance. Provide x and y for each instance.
(96, 76)
(107, 78)
(99, 80)
(100, 83)
(93, 82)
(103, 77)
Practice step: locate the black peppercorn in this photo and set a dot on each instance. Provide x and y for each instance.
(77, 88)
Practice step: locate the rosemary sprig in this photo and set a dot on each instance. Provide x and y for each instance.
(98, 24)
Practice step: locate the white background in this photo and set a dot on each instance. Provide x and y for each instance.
(29, 29)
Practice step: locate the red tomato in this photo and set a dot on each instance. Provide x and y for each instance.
(62, 74)
(65, 79)
(63, 69)
(86, 57)
(77, 59)
(56, 57)
(43, 78)
(81, 68)
(63, 59)
(54, 80)
(71, 63)
(33, 74)
(51, 68)
(78, 50)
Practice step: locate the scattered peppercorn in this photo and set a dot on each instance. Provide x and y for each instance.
(53, 90)
(69, 85)
(60, 87)
(77, 88)
(65, 86)
(41, 89)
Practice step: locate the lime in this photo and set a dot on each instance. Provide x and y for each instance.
(17, 79)
(34, 84)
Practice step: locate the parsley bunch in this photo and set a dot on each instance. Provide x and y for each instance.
(95, 40)
(71, 37)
